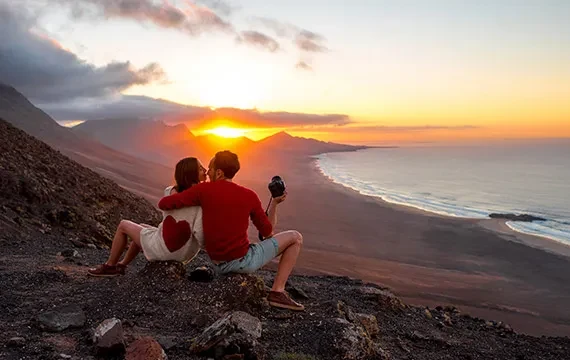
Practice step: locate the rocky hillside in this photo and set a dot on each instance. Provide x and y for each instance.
(140, 175)
(44, 193)
(55, 216)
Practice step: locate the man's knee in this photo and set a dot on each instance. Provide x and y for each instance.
(297, 237)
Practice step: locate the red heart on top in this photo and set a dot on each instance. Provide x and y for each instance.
(175, 233)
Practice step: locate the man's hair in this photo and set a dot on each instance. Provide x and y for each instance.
(228, 162)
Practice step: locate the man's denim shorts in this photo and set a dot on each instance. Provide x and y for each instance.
(258, 255)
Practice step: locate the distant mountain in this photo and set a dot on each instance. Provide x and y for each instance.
(146, 139)
(284, 142)
(157, 141)
(145, 178)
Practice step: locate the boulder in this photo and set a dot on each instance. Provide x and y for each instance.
(516, 217)
(145, 348)
(356, 331)
(354, 343)
(369, 323)
(108, 337)
(384, 297)
(234, 334)
(61, 318)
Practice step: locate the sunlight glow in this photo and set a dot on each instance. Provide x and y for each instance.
(226, 132)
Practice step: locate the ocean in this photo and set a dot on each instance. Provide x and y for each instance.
(467, 181)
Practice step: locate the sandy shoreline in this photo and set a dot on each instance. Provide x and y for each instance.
(482, 266)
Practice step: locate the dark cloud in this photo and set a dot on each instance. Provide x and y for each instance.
(142, 107)
(280, 29)
(258, 39)
(301, 65)
(303, 39)
(310, 42)
(126, 107)
(258, 119)
(45, 72)
(194, 19)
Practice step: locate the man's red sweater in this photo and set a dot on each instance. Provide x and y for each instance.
(226, 210)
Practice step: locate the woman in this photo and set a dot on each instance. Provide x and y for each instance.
(179, 236)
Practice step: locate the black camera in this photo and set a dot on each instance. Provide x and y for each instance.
(276, 186)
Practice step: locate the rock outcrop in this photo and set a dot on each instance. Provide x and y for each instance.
(516, 217)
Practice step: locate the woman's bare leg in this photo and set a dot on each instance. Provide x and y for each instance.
(133, 250)
(126, 229)
(131, 254)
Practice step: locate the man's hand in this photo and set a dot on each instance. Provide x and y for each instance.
(280, 199)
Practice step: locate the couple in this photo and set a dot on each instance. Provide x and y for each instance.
(214, 215)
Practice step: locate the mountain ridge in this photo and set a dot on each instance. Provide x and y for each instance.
(144, 177)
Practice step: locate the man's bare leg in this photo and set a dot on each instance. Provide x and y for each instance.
(290, 243)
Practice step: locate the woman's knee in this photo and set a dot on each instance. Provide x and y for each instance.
(122, 225)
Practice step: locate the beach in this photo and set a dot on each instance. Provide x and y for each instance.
(481, 266)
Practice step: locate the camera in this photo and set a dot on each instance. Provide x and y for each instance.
(276, 186)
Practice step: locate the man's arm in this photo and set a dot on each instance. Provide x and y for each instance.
(259, 218)
(272, 213)
(189, 197)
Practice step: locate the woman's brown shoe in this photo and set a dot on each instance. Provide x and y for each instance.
(105, 270)
(284, 301)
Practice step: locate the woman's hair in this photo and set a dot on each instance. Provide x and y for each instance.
(186, 174)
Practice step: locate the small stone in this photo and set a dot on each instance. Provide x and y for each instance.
(447, 320)
(65, 356)
(202, 274)
(108, 337)
(428, 313)
(59, 319)
(416, 335)
(92, 246)
(70, 253)
(78, 243)
(16, 342)
(145, 349)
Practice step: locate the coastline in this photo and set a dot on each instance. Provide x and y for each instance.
(532, 239)
(478, 265)
(499, 226)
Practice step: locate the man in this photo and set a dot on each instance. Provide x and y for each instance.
(226, 210)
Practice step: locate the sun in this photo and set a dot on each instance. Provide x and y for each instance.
(226, 132)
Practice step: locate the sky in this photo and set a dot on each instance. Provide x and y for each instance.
(365, 71)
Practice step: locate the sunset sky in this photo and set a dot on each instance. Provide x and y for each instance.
(380, 71)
